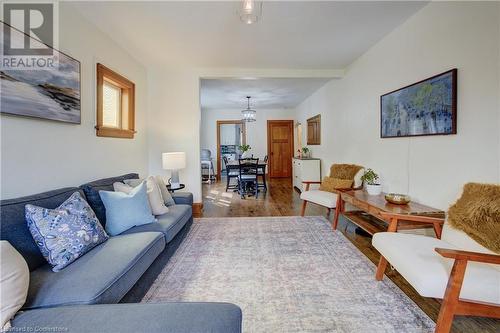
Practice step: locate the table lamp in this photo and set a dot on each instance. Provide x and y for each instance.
(174, 162)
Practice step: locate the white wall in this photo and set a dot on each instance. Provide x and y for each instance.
(256, 131)
(174, 123)
(40, 155)
(432, 170)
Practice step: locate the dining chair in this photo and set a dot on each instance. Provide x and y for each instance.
(232, 172)
(248, 177)
(261, 172)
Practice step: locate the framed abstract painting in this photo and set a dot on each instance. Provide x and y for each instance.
(428, 107)
(52, 94)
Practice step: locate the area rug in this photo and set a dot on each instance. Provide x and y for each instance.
(288, 274)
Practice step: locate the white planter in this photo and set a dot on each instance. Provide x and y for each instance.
(246, 154)
(373, 189)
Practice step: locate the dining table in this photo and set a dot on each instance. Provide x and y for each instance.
(235, 165)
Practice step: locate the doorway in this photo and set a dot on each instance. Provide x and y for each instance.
(280, 148)
(230, 135)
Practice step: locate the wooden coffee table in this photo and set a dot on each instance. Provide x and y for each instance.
(369, 209)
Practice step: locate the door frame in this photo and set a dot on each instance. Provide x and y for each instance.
(292, 143)
(244, 141)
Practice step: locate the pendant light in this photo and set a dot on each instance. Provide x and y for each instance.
(250, 11)
(248, 114)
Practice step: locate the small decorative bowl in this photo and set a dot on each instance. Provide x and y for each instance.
(398, 199)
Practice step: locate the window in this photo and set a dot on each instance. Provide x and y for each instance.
(115, 104)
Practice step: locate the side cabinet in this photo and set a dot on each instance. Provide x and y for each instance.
(306, 170)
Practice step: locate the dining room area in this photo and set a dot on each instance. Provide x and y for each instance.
(249, 136)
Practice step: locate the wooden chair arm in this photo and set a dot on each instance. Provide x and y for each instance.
(412, 218)
(309, 182)
(469, 256)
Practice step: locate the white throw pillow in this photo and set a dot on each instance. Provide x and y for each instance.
(154, 194)
(14, 282)
(121, 187)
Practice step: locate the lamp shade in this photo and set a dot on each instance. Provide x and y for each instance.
(174, 161)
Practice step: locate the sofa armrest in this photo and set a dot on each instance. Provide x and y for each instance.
(469, 256)
(166, 317)
(183, 198)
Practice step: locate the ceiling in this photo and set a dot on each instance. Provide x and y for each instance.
(299, 34)
(266, 93)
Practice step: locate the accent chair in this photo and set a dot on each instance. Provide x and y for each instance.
(327, 199)
(453, 267)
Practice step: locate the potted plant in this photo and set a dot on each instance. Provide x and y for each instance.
(245, 151)
(370, 178)
(306, 152)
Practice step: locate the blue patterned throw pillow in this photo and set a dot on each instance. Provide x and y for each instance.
(65, 233)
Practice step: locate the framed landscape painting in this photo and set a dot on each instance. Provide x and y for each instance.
(428, 107)
(52, 94)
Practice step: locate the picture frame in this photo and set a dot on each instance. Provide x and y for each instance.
(427, 107)
(44, 94)
(314, 130)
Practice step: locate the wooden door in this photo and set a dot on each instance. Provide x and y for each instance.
(280, 148)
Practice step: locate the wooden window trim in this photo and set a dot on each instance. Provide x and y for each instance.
(128, 96)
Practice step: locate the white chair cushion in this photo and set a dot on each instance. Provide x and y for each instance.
(413, 256)
(357, 178)
(323, 198)
(461, 240)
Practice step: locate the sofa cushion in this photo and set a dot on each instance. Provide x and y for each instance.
(169, 224)
(183, 198)
(92, 189)
(161, 317)
(103, 275)
(66, 233)
(323, 198)
(414, 257)
(14, 229)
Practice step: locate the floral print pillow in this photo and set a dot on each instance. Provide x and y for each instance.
(65, 233)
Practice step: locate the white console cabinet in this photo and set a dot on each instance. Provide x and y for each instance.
(306, 170)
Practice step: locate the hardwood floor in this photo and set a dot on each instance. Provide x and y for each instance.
(282, 200)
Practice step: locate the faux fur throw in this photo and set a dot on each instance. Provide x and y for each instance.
(344, 171)
(477, 213)
(330, 184)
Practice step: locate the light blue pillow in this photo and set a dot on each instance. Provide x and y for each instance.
(65, 233)
(124, 211)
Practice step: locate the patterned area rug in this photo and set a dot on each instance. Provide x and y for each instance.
(288, 274)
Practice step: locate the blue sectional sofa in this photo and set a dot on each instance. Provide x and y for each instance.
(119, 270)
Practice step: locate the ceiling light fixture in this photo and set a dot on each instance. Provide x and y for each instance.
(250, 11)
(248, 114)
